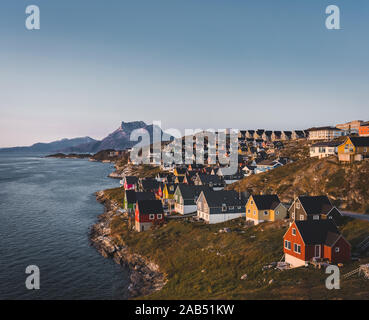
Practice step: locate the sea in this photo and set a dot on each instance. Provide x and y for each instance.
(47, 207)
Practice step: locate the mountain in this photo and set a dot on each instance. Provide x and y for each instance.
(118, 140)
(54, 146)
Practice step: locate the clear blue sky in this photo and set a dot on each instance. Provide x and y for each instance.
(189, 63)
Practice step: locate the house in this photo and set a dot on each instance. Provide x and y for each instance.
(220, 206)
(276, 135)
(324, 133)
(314, 208)
(267, 135)
(213, 181)
(324, 149)
(131, 197)
(130, 183)
(259, 134)
(353, 149)
(163, 177)
(286, 135)
(250, 134)
(178, 172)
(148, 185)
(159, 191)
(228, 179)
(266, 165)
(180, 179)
(195, 167)
(267, 207)
(190, 177)
(185, 197)
(351, 127)
(248, 170)
(364, 129)
(314, 239)
(148, 213)
(298, 134)
(168, 195)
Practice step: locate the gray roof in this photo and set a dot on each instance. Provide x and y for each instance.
(266, 201)
(190, 192)
(227, 197)
(318, 231)
(315, 204)
(360, 141)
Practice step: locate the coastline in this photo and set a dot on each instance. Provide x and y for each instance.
(145, 275)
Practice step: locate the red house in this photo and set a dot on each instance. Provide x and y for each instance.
(147, 214)
(320, 239)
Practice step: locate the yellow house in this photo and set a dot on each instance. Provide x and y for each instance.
(353, 149)
(266, 207)
(168, 191)
(179, 172)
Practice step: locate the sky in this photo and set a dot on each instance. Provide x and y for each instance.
(243, 64)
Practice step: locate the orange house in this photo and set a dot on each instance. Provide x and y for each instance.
(364, 130)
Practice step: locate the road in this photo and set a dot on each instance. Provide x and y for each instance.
(356, 215)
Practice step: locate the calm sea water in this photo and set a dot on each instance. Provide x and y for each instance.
(46, 209)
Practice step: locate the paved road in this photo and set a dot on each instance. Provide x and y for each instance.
(356, 215)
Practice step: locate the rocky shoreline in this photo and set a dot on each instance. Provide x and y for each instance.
(145, 276)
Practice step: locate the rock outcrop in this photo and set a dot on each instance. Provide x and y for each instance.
(145, 275)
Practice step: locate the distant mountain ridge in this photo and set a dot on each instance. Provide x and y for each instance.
(54, 146)
(118, 139)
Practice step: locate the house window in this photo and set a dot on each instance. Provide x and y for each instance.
(316, 217)
(297, 248)
(330, 217)
(293, 216)
(224, 207)
(265, 213)
(287, 244)
(160, 216)
(298, 205)
(302, 217)
(337, 249)
(252, 202)
(277, 212)
(254, 212)
(152, 216)
(293, 231)
(248, 210)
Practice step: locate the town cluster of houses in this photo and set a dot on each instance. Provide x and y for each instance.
(198, 192)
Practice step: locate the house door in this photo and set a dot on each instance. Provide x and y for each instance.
(317, 251)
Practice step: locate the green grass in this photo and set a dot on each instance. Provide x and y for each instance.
(201, 263)
(115, 194)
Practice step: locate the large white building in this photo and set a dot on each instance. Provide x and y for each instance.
(324, 133)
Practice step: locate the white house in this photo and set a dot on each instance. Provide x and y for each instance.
(220, 206)
(324, 149)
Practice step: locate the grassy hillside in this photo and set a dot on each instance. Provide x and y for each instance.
(201, 263)
(346, 184)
